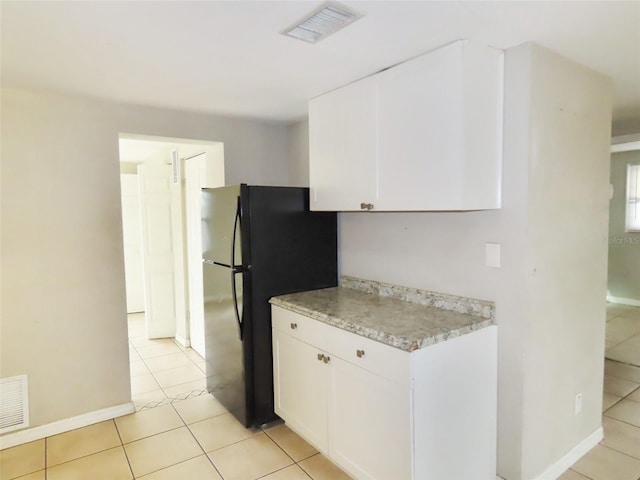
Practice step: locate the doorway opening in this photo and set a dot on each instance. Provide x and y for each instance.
(161, 180)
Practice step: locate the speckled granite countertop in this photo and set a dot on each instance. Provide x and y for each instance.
(405, 318)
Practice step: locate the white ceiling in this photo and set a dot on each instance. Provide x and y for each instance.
(228, 56)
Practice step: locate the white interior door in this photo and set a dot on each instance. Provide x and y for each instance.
(195, 171)
(158, 250)
(132, 242)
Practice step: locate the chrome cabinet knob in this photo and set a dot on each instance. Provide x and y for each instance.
(359, 353)
(366, 206)
(294, 326)
(321, 356)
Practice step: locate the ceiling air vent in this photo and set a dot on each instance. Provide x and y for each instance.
(328, 19)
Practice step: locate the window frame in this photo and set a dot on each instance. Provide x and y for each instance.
(632, 199)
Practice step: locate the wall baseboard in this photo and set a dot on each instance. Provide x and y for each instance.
(185, 342)
(36, 433)
(575, 454)
(624, 301)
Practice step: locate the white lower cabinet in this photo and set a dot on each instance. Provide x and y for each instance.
(386, 414)
(369, 415)
(301, 395)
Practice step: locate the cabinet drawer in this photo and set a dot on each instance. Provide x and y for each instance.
(384, 360)
(298, 326)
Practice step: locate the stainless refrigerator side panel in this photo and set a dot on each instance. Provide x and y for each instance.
(223, 347)
(218, 215)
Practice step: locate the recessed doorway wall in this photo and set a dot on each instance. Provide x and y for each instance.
(156, 175)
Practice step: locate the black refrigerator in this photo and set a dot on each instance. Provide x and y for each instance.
(257, 242)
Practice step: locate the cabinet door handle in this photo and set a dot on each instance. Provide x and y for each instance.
(326, 359)
(359, 353)
(321, 357)
(366, 206)
(294, 326)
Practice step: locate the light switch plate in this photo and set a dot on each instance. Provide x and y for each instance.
(492, 255)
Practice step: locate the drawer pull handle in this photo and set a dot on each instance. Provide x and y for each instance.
(321, 357)
(294, 326)
(359, 353)
(326, 359)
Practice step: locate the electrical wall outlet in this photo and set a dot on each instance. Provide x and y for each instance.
(578, 405)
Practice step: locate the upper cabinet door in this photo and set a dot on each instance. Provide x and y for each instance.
(438, 133)
(342, 148)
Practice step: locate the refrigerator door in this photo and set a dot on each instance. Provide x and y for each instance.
(223, 281)
(219, 209)
(223, 346)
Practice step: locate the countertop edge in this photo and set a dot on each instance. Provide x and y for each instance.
(381, 336)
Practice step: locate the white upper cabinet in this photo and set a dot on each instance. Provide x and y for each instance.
(342, 135)
(423, 135)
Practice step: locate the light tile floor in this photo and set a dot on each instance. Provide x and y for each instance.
(617, 457)
(181, 432)
(162, 371)
(194, 439)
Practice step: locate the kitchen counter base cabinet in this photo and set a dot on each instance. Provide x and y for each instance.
(301, 393)
(426, 414)
(370, 425)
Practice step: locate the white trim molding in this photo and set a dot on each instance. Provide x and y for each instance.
(624, 301)
(575, 454)
(625, 143)
(36, 433)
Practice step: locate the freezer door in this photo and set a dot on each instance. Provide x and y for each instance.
(223, 346)
(219, 209)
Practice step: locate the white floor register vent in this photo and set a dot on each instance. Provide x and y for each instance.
(14, 403)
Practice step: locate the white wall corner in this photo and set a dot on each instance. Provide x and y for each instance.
(185, 342)
(37, 433)
(575, 454)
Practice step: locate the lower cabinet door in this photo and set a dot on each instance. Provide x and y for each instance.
(300, 388)
(371, 433)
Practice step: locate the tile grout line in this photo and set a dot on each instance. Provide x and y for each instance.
(281, 448)
(581, 474)
(206, 454)
(133, 476)
(622, 363)
(148, 370)
(618, 451)
(295, 462)
(167, 398)
(621, 421)
(46, 465)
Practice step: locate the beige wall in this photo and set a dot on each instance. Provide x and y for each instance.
(299, 153)
(566, 258)
(63, 298)
(624, 248)
(550, 291)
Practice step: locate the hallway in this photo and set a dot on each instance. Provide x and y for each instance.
(162, 370)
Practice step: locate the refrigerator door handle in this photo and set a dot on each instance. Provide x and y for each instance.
(235, 269)
(235, 302)
(211, 262)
